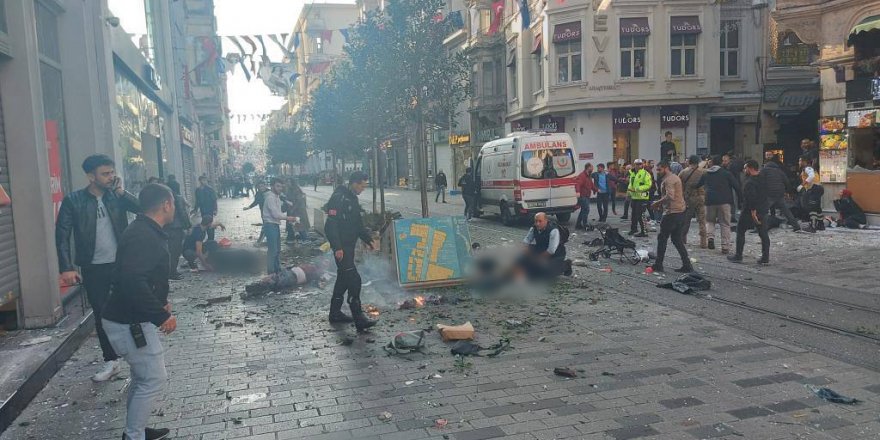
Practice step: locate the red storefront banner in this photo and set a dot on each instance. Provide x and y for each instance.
(53, 146)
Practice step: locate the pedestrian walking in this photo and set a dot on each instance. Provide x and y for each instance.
(613, 180)
(299, 208)
(721, 187)
(777, 187)
(585, 189)
(753, 213)
(440, 183)
(640, 182)
(344, 226)
(138, 309)
(273, 215)
(96, 217)
(206, 202)
(468, 192)
(672, 224)
(603, 191)
(695, 198)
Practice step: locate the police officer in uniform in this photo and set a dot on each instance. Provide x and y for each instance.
(343, 227)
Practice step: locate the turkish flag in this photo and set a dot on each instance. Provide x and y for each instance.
(497, 16)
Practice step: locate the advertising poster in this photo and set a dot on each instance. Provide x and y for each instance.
(833, 164)
(432, 251)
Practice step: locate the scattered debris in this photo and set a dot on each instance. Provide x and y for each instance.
(832, 396)
(564, 372)
(456, 332)
(219, 299)
(249, 398)
(406, 342)
(36, 341)
(385, 416)
(440, 423)
(468, 348)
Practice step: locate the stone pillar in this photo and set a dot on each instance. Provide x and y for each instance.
(33, 216)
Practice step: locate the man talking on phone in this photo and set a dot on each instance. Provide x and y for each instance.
(96, 216)
(138, 308)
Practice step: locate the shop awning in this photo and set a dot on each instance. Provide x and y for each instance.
(536, 46)
(567, 32)
(634, 27)
(685, 25)
(867, 25)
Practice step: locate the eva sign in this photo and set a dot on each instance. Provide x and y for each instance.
(674, 116)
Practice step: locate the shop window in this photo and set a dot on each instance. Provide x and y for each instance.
(633, 56)
(683, 60)
(729, 48)
(319, 45)
(569, 62)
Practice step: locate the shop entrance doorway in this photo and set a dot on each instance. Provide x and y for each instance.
(626, 145)
(723, 135)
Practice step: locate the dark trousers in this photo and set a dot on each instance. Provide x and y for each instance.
(468, 205)
(273, 251)
(602, 206)
(613, 197)
(672, 226)
(210, 233)
(96, 278)
(175, 247)
(779, 203)
(626, 203)
(347, 280)
(584, 216)
(638, 215)
(537, 267)
(746, 223)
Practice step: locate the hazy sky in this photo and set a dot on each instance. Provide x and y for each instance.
(255, 17)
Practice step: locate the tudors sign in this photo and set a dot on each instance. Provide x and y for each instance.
(551, 124)
(634, 27)
(625, 118)
(672, 116)
(567, 32)
(685, 25)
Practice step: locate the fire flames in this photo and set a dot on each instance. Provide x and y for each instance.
(372, 310)
(420, 301)
(417, 302)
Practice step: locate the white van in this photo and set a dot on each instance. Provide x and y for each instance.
(525, 173)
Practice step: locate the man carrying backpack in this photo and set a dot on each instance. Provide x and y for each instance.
(544, 253)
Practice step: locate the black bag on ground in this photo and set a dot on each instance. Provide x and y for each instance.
(688, 283)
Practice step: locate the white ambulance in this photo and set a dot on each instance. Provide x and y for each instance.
(525, 173)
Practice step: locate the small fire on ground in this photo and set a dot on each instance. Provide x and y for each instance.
(420, 301)
(371, 310)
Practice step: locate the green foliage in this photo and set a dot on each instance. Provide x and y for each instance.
(287, 146)
(396, 66)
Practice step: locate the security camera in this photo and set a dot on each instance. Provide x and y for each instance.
(113, 21)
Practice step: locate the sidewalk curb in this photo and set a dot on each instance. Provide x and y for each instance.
(13, 407)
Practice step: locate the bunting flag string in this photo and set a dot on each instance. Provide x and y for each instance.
(262, 45)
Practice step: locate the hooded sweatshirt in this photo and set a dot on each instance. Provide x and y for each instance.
(720, 186)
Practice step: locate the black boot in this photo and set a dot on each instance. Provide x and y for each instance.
(361, 322)
(336, 315)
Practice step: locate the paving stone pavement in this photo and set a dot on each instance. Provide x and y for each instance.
(272, 368)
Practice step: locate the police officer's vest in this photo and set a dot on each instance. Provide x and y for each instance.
(640, 179)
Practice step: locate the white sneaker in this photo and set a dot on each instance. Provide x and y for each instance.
(111, 368)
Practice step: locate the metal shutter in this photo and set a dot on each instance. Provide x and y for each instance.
(189, 173)
(9, 283)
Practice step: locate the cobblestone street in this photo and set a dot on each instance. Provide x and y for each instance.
(273, 368)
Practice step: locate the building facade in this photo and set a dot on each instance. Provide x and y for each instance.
(76, 79)
(618, 76)
(847, 33)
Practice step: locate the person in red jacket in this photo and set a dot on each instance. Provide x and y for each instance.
(585, 188)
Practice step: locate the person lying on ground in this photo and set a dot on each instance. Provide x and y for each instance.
(850, 213)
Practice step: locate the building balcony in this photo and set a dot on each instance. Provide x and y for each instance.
(488, 102)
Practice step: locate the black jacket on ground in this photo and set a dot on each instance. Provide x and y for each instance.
(775, 180)
(720, 186)
(79, 214)
(755, 195)
(850, 210)
(140, 285)
(345, 224)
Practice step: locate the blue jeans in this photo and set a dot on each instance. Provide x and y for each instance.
(148, 375)
(273, 254)
(583, 217)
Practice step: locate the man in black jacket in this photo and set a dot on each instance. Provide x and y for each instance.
(777, 186)
(721, 186)
(96, 216)
(753, 214)
(441, 184)
(138, 308)
(206, 202)
(468, 192)
(344, 226)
